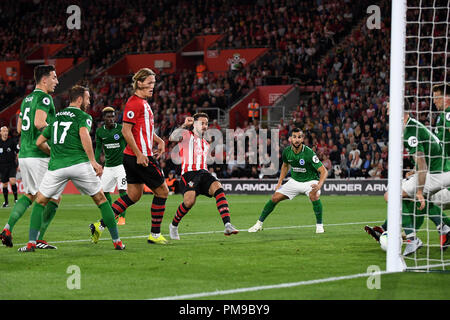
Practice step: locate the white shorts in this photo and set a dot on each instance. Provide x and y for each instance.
(433, 183)
(293, 188)
(32, 171)
(441, 197)
(82, 175)
(113, 176)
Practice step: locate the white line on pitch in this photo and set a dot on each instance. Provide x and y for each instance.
(211, 232)
(268, 287)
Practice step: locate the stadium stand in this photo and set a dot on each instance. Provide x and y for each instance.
(322, 45)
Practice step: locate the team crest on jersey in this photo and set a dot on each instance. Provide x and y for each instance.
(116, 137)
(130, 114)
(302, 162)
(46, 101)
(413, 142)
(191, 184)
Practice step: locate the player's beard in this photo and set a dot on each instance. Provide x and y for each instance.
(297, 146)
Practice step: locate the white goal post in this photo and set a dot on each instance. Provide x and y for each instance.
(394, 260)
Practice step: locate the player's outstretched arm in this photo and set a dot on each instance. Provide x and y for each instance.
(177, 134)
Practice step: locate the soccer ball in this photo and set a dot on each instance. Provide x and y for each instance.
(384, 240)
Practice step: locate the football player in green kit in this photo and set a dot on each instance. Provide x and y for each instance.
(109, 138)
(36, 112)
(432, 174)
(68, 141)
(308, 175)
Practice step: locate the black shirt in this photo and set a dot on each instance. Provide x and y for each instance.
(8, 151)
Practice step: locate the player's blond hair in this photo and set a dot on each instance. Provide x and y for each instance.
(141, 75)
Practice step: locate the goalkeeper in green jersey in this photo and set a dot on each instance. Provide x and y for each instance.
(71, 158)
(432, 175)
(308, 175)
(36, 112)
(109, 138)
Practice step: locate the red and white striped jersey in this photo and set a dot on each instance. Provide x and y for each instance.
(138, 112)
(193, 152)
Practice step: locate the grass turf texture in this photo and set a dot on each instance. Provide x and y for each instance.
(205, 260)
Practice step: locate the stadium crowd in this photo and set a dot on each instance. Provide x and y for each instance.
(345, 121)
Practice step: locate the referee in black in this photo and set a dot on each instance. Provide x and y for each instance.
(8, 163)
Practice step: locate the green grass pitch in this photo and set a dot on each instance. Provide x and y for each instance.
(204, 260)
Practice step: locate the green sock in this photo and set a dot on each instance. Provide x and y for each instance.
(407, 222)
(384, 225)
(317, 207)
(108, 220)
(108, 197)
(17, 211)
(47, 217)
(125, 211)
(268, 208)
(437, 216)
(36, 221)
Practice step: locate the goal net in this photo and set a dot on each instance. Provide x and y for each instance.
(426, 56)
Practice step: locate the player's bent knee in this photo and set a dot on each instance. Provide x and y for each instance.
(99, 198)
(216, 185)
(277, 197)
(162, 191)
(189, 199)
(41, 199)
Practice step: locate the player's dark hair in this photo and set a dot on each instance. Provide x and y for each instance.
(295, 130)
(76, 91)
(200, 115)
(443, 88)
(41, 71)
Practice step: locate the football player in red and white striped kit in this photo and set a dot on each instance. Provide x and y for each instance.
(196, 179)
(140, 165)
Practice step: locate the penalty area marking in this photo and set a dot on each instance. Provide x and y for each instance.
(269, 287)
